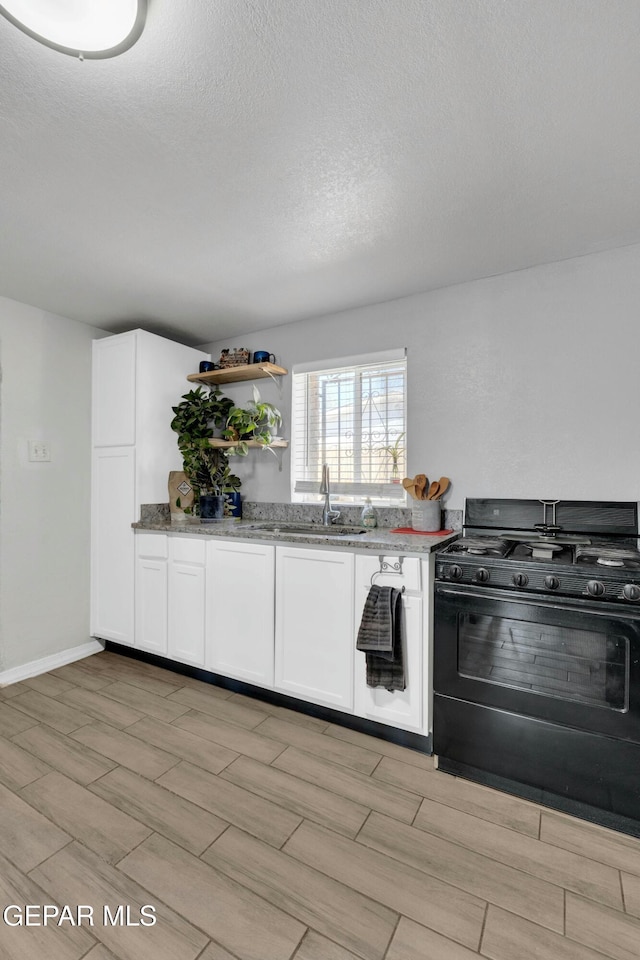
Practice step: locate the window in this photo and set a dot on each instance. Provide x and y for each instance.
(350, 414)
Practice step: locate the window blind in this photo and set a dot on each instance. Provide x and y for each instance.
(353, 418)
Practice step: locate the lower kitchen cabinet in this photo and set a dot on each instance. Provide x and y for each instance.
(186, 600)
(398, 708)
(151, 591)
(170, 596)
(240, 604)
(314, 625)
(285, 618)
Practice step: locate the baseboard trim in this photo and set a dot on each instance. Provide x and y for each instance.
(61, 659)
(404, 738)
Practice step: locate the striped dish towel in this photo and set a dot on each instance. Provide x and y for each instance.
(381, 637)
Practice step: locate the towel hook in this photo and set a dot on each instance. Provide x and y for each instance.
(391, 569)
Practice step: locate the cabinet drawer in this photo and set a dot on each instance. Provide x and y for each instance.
(188, 550)
(410, 576)
(151, 545)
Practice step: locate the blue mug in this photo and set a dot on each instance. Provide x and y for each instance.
(207, 365)
(261, 356)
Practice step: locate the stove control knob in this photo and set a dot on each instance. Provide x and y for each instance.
(520, 579)
(455, 572)
(482, 575)
(595, 588)
(551, 582)
(631, 591)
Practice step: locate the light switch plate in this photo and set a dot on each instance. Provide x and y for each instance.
(39, 451)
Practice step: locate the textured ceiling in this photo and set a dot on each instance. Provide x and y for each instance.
(254, 162)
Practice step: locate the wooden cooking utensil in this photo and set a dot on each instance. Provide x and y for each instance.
(409, 484)
(421, 483)
(444, 486)
(433, 490)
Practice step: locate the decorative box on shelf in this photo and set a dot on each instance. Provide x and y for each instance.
(233, 358)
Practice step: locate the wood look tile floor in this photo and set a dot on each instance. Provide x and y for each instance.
(261, 834)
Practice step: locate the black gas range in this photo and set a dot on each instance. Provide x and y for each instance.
(537, 654)
(574, 549)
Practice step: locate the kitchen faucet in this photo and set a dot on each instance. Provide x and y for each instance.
(328, 515)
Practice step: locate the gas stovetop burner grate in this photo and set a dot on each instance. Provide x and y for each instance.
(481, 546)
(532, 550)
(607, 556)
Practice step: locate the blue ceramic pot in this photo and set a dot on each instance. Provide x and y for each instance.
(234, 504)
(211, 507)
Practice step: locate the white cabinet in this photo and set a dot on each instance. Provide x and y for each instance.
(151, 592)
(170, 596)
(113, 380)
(314, 625)
(186, 600)
(112, 568)
(399, 708)
(240, 604)
(137, 378)
(282, 617)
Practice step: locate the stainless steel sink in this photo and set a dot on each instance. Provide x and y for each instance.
(309, 530)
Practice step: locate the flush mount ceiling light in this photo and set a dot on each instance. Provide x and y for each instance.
(82, 28)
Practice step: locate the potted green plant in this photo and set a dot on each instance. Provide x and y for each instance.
(195, 419)
(255, 421)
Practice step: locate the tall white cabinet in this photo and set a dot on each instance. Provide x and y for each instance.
(137, 378)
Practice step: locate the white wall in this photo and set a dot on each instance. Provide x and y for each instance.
(45, 507)
(521, 385)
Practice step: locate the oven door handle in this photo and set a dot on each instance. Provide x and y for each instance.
(578, 604)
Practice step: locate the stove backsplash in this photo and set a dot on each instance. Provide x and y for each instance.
(310, 513)
(596, 518)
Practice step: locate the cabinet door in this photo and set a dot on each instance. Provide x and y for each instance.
(186, 629)
(398, 708)
(114, 391)
(240, 608)
(161, 379)
(151, 593)
(112, 544)
(314, 625)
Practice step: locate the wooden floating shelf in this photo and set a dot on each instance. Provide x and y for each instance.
(247, 371)
(225, 444)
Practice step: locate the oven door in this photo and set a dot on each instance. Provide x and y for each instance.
(570, 662)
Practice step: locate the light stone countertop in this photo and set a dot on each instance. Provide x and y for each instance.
(376, 540)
